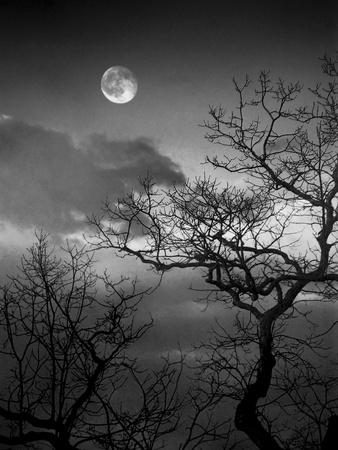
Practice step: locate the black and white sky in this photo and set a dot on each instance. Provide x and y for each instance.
(64, 148)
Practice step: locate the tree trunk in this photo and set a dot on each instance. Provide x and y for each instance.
(330, 441)
(246, 415)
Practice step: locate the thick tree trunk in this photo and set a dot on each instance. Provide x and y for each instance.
(330, 441)
(246, 416)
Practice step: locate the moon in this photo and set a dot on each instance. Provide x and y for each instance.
(118, 84)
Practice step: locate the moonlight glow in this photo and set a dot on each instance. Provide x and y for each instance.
(118, 84)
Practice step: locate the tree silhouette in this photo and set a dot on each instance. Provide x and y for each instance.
(66, 351)
(262, 249)
(72, 378)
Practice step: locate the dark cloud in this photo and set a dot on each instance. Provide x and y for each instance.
(181, 315)
(132, 159)
(47, 181)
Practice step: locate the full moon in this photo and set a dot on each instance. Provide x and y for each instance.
(119, 84)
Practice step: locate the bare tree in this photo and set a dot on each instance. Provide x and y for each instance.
(67, 361)
(262, 248)
(72, 378)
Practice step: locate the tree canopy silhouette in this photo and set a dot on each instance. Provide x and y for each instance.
(66, 351)
(71, 376)
(264, 247)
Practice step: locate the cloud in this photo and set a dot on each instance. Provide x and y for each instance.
(48, 182)
(132, 159)
(179, 319)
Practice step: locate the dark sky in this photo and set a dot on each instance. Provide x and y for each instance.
(184, 55)
(64, 147)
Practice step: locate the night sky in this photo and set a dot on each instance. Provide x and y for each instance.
(64, 147)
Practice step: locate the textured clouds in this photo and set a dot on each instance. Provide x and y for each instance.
(46, 181)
